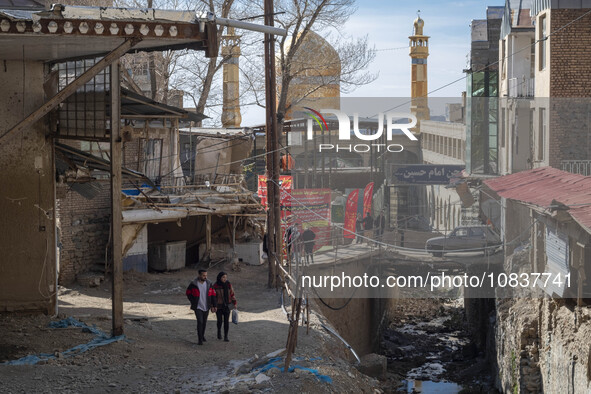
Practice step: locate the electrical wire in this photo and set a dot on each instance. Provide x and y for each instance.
(395, 247)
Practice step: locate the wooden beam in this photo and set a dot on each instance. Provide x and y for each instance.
(116, 216)
(44, 109)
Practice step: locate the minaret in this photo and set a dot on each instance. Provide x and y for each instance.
(231, 107)
(419, 52)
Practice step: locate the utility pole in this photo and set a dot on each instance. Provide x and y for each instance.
(116, 244)
(273, 192)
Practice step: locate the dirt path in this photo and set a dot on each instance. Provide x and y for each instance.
(160, 353)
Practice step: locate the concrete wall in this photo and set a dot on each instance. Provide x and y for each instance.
(136, 258)
(28, 240)
(443, 208)
(358, 318)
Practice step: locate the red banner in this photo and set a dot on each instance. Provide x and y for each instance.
(367, 196)
(310, 208)
(351, 213)
(285, 183)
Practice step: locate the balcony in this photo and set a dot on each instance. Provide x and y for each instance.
(521, 87)
(581, 167)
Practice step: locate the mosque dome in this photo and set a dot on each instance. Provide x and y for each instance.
(316, 63)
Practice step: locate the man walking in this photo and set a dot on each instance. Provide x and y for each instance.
(308, 237)
(359, 228)
(202, 297)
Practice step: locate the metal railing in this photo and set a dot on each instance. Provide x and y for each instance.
(582, 167)
(521, 87)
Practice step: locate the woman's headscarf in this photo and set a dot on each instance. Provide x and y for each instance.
(225, 286)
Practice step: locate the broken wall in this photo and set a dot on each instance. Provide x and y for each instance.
(28, 240)
(84, 231)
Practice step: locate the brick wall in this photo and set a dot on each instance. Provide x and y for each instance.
(84, 230)
(570, 87)
(570, 51)
(132, 155)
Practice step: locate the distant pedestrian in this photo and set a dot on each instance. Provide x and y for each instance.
(308, 237)
(225, 301)
(380, 225)
(202, 297)
(359, 228)
(290, 240)
(368, 225)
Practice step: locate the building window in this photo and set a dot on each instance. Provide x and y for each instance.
(503, 63)
(542, 41)
(542, 134)
(502, 128)
(532, 57)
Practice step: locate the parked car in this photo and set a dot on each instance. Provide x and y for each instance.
(465, 238)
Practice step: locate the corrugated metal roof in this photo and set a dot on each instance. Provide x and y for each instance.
(17, 15)
(22, 4)
(543, 185)
(136, 104)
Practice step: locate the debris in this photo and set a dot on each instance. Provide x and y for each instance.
(90, 279)
(260, 378)
(373, 365)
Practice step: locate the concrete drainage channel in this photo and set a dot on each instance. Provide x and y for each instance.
(430, 350)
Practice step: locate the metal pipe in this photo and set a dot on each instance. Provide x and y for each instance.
(250, 26)
(345, 342)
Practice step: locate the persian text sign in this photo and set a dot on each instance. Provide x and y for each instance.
(427, 174)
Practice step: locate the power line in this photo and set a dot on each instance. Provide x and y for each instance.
(395, 247)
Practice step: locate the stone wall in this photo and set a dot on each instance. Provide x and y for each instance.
(543, 345)
(517, 346)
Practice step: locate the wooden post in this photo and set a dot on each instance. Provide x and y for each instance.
(116, 218)
(292, 336)
(208, 237)
(273, 191)
(307, 316)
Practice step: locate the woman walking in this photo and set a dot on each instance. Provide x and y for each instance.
(226, 301)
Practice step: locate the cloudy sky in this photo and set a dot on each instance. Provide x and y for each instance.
(388, 23)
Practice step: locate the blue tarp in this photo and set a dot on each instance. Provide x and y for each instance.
(100, 339)
(276, 361)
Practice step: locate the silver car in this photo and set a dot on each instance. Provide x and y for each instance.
(465, 238)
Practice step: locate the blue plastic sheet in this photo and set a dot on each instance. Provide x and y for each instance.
(100, 339)
(274, 363)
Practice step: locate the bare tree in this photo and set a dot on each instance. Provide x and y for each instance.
(187, 71)
(297, 59)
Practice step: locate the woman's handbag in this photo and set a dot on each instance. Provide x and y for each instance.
(235, 316)
(230, 306)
